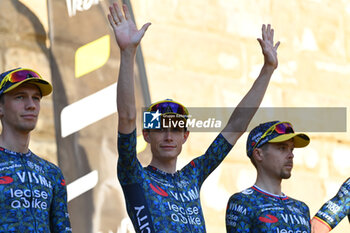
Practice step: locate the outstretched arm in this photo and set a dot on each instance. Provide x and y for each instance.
(248, 106)
(128, 37)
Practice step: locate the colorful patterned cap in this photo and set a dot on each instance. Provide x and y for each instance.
(168, 106)
(266, 132)
(11, 79)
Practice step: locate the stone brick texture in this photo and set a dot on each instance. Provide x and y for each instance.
(204, 53)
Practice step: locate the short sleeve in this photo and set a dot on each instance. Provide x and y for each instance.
(128, 165)
(337, 208)
(238, 218)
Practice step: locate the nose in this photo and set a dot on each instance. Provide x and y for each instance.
(291, 154)
(168, 135)
(30, 104)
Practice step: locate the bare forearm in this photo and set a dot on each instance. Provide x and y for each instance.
(125, 93)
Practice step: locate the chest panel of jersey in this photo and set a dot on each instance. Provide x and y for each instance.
(255, 211)
(162, 202)
(26, 193)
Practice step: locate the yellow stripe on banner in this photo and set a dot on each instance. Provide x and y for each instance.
(92, 56)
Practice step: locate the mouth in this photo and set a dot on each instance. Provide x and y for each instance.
(289, 165)
(167, 147)
(29, 116)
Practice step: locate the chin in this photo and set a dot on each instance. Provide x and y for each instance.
(28, 128)
(171, 156)
(286, 176)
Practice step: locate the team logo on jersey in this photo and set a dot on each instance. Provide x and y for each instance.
(268, 219)
(6, 180)
(158, 190)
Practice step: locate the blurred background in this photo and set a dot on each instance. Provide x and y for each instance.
(202, 53)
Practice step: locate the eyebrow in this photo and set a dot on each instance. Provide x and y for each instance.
(285, 143)
(36, 93)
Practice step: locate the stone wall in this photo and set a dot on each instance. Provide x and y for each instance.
(204, 53)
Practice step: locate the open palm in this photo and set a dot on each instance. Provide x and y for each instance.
(269, 50)
(124, 28)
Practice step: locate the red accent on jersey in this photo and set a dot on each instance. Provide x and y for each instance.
(269, 219)
(158, 190)
(193, 164)
(6, 180)
(63, 182)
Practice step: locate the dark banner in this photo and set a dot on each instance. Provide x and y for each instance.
(84, 60)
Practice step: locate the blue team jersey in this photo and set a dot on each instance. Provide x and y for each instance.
(33, 195)
(161, 202)
(334, 210)
(256, 211)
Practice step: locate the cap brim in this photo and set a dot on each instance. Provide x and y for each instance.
(44, 86)
(300, 139)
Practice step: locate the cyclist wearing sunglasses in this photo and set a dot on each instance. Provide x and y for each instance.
(333, 211)
(159, 198)
(263, 207)
(32, 190)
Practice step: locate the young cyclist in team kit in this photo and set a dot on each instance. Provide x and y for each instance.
(263, 208)
(159, 198)
(333, 211)
(32, 190)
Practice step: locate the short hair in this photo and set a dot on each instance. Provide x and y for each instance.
(264, 148)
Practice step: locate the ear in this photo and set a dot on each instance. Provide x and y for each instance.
(1, 110)
(186, 134)
(258, 154)
(146, 135)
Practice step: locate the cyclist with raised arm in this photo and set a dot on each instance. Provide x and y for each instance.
(159, 198)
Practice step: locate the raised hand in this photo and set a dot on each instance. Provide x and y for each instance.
(269, 50)
(124, 28)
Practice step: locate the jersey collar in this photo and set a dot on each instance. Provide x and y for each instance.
(260, 190)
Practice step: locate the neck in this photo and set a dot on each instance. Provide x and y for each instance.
(269, 184)
(168, 166)
(18, 142)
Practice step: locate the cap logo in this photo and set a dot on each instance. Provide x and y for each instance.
(257, 136)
